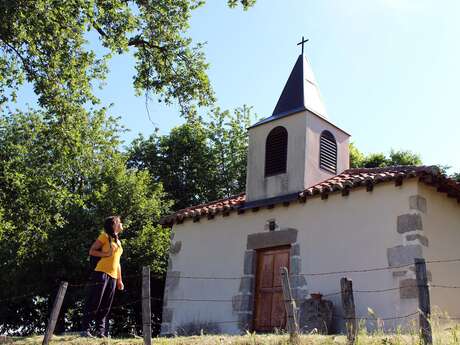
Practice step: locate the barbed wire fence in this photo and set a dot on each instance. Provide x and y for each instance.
(142, 300)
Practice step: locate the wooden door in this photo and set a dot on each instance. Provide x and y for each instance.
(269, 306)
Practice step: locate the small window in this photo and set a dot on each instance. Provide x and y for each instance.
(328, 152)
(276, 151)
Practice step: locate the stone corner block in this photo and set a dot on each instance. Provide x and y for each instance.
(165, 329)
(247, 285)
(295, 265)
(397, 274)
(242, 303)
(271, 239)
(408, 288)
(423, 240)
(175, 248)
(429, 275)
(295, 249)
(245, 321)
(298, 281)
(167, 315)
(299, 295)
(404, 255)
(250, 262)
(409, 222)
(170, 264)
(417, 202)
(172, 279)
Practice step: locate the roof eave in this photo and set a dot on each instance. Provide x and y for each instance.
(293, 112)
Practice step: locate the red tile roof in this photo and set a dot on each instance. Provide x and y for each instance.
(344, 183)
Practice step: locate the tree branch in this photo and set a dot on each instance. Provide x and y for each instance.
(23, 60)
(137, 41)
(99, 29)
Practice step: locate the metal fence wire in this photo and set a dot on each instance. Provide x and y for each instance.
(76, 287)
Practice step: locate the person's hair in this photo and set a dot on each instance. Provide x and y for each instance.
(108, 226)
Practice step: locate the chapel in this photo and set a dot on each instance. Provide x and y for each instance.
(305, 209)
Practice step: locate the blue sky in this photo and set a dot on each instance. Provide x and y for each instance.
(388, 70)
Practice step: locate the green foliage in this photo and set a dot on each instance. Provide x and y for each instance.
(198, 161)
(456, 177)
(245, 3)
(379, 160)
(178, 160)
(376, 160)
(404, 158)
(445, 169)
(356, 156)
(447, 335)
(58, 181)
(228, 139)
(45, 43)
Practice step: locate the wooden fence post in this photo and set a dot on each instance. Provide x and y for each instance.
(348, 304)
(423, 301)
(55, 313)
(146, 307)
(290, 305)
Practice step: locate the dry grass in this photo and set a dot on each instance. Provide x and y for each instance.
(446, 338)
(250, 339)
(447, 334)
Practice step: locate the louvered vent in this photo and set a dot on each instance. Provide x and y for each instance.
(276, 151)
(328, 152)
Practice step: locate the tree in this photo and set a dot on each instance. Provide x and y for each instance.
(378, 160)
(58, 181)
(356, 156)
(45, 43)
(61, 171)
(198, 161)
(229, 144)
(404, 158)
(445, 170)
(180, 160)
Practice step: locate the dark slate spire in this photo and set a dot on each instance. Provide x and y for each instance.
(291, 99)
(300, 92)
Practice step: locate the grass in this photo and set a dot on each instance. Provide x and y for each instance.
(448, 337)
(443, 334)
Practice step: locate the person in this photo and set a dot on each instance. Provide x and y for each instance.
(104, 279)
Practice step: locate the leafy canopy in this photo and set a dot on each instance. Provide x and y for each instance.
(379, 160)
(198, 161)
(58, 181)
(61, 170)
(456, 176)
(45, 43)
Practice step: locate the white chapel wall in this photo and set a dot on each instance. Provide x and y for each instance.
(441, 226)
(353, 233)
(340, 233)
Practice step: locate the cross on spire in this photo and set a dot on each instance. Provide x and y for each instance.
(302, 43)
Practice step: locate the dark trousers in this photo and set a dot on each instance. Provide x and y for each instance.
(100, 293)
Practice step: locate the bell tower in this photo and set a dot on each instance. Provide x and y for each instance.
(297, 146)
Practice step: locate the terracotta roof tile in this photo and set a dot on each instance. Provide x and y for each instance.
(347, 180)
